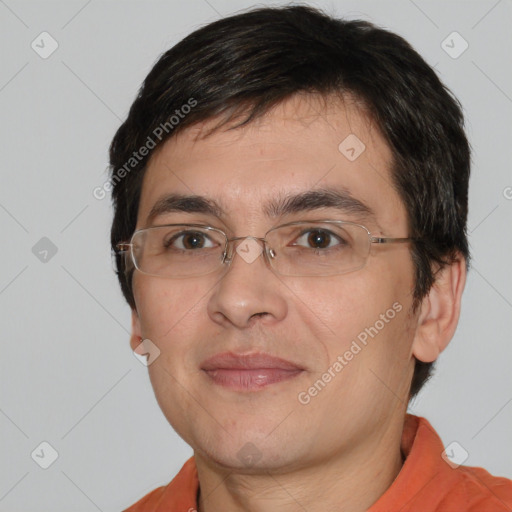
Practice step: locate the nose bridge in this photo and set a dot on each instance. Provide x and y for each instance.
(243, 293)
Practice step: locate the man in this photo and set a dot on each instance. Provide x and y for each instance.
(290, 195)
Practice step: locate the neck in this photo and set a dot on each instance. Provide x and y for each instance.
(348, 482)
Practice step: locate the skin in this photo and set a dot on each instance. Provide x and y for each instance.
(342, 450)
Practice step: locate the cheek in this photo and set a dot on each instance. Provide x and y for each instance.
(165, 305)
(344, 305)
(168, 310)
(367, 346)
(365, 312)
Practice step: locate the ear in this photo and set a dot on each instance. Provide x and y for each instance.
(439, 312)
(136, 336)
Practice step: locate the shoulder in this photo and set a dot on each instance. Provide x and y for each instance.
(429, 481)
(179, 495)
(148, 502)
(482, 491)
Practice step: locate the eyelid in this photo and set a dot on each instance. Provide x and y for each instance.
(282, 222)
(192, 225)
(179, 237)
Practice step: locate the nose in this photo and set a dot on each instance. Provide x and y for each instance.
(249, 290)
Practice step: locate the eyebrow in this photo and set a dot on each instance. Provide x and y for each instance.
(283, 205)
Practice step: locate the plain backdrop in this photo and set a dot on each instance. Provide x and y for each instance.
(68, 376)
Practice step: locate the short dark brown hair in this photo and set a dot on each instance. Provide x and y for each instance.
(250, 62)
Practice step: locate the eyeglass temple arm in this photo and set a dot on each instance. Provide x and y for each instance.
(388, 240)
(123, 246)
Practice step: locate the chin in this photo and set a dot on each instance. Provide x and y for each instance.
(248, 460)
(246, 452)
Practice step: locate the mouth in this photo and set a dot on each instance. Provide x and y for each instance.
(249, 372)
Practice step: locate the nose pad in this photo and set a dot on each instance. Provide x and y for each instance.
(227, 256)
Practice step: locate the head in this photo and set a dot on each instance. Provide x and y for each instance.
(249, 111)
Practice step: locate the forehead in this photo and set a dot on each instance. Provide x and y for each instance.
(303, 144)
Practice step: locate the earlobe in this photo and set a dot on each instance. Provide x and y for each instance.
(439, 313)
(136, 336)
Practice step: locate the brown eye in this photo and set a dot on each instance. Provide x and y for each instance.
(189, 240)
(193, 241)
(319, 239)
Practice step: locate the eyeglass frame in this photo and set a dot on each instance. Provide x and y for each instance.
(227, 255)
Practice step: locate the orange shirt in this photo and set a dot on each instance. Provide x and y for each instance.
(426, 483)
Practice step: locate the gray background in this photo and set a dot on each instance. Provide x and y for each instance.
(68, 375)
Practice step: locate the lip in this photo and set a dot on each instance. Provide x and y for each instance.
(249, 372)
(255, 361)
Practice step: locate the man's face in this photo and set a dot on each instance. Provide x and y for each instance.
(309, 321)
